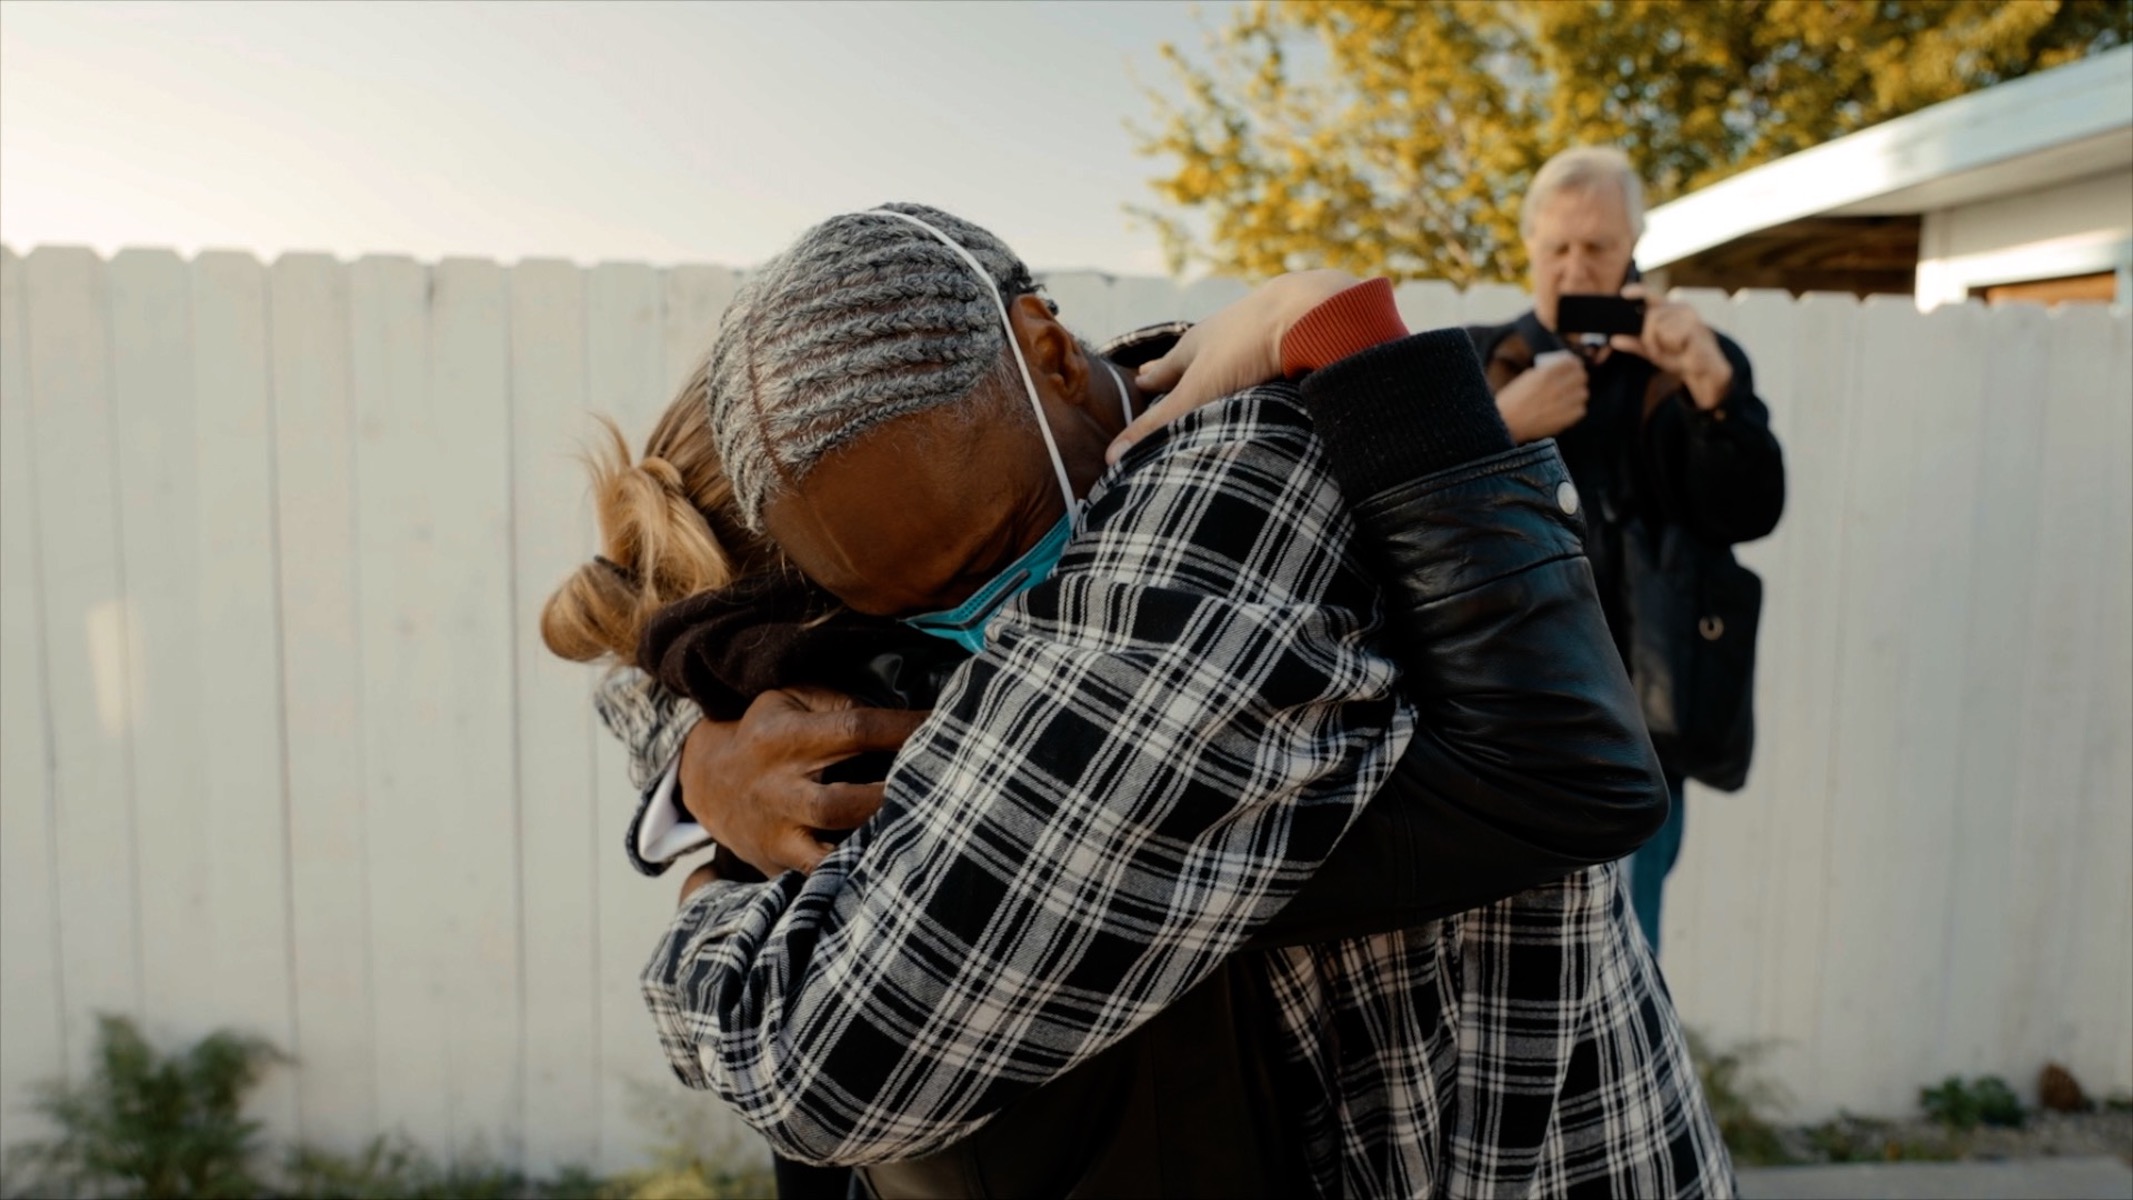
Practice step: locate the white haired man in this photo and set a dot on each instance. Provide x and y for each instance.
(1673, 454)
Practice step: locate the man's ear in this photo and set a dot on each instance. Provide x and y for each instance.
(1056, 363)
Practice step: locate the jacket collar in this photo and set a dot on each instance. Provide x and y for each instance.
(1144, 345)
(1538, 337)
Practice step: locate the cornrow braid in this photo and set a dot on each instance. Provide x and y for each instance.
(867, 318)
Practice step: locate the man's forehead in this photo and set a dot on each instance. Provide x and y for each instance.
(887, 479)
(887, 511)
(1584, 207)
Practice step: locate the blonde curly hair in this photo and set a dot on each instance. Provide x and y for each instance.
(669, 529)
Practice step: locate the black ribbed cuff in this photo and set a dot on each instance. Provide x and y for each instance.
(1397, 412)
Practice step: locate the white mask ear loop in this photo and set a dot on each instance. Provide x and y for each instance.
(1125, 406)
(1029, 385)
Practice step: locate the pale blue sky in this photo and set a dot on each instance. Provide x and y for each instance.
(663, 132)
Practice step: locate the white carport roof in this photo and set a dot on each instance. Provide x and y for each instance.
(2032, 132)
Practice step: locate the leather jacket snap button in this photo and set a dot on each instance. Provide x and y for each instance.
(1712, 628)
(1566, 497)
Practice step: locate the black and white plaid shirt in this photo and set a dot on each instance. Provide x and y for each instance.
(1152, 754)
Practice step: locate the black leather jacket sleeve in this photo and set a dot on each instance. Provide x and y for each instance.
(1530, 759)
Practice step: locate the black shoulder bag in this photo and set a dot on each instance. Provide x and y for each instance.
(1693, 612)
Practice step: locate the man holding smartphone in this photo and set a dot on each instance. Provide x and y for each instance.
(1655, 414)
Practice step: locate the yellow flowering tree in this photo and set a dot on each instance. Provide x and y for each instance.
(1395, 138)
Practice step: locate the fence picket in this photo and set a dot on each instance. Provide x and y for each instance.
(2057, 820)
(1796, 727)
(552, 530)
(1935, 570)
(239, 638)
(1869, 843)
(33, 1008)
(322, 693)
(403, 716)
(470, 512)
(2103, 888)
(2002, 504)
(2108, 909)
(91, 706)
(161, 535)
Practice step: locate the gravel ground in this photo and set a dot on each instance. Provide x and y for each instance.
(2087, 1177)
(2059, 1134)
(2046, 1134)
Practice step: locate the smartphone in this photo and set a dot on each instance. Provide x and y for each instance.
(1602, 314)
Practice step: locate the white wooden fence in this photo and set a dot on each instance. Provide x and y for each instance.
(281, 749)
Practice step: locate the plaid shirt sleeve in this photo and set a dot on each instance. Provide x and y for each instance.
(1155, 750)
(650, 721)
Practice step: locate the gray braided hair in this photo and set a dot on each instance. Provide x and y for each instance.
(867, 318)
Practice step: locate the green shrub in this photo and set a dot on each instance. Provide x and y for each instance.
(394, 1168)
(147, 1124)
(1855, 1139)
(1740, 1098)
(696, 1159)
(1964, 1106)
(696, 1155)
(1847, 1139)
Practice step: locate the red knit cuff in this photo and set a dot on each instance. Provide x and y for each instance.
(1348, 323)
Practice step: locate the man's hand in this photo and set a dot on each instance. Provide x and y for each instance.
(1236, 348)
(1676, 341)
(754, 784)
(1546, 400)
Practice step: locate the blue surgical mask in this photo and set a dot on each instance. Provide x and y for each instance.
(965, 623)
